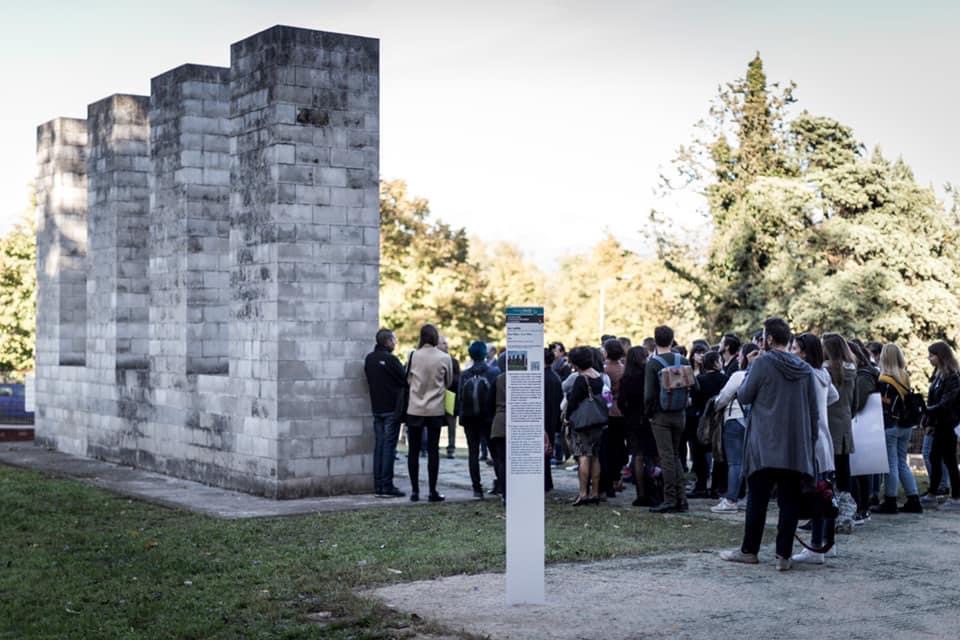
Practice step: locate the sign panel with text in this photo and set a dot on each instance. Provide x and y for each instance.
(525, 456)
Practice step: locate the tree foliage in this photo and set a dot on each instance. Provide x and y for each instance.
(18, 289)
(426, 274)
(807, 225)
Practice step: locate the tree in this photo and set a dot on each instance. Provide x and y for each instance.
(18, 295)
(511, 279)
(426, 275)
(636, 294)
(806, 226)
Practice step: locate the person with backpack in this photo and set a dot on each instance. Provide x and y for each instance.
(476, 398)
(668, 382)
(734, 431)
(450, 417)
(941, 419)
(709, 383)
(781, 439)
(894, 384)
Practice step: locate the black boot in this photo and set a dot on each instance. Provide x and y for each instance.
(888, 506)
(912, 505)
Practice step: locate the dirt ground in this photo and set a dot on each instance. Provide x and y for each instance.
(896, 577)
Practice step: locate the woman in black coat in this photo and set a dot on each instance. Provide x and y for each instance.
(640, 440)
(941, 419)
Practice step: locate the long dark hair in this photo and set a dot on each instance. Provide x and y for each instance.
(863, 360)
(812, 349)
(636, 361)
(837, 353)
(429, 335)
(946, 360)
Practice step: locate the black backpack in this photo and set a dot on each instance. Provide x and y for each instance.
(474, 394)
(912, 410)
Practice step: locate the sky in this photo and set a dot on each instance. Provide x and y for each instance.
(543, 123)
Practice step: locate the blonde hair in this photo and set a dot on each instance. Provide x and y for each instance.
(893, 364)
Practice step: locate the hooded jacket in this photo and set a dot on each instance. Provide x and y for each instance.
(782, 428)
(826, 395)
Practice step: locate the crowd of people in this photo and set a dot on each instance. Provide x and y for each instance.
(768, 417)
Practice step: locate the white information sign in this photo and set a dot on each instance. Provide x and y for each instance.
(525, 457)
(869, 441)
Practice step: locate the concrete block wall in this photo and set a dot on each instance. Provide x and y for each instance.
(233, 271)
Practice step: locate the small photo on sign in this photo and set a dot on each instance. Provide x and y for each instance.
(517, 361)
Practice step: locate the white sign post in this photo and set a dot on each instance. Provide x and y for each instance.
(525, 457)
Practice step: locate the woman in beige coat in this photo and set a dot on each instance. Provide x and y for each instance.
(430, 373)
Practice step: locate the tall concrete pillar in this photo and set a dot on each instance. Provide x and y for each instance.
(305, 244)
(118, 165)
(189, 222)
(61, 192)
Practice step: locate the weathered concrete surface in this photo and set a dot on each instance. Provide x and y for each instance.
(208, 269)
(896, 577)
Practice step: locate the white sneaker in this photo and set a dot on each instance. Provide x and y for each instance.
(736, 555)
(832, 553)
(724, 506)
(952, 504)
(808, 557)
(784, 564)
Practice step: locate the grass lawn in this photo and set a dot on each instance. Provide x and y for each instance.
(79, 562)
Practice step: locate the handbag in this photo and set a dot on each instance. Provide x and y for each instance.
(403, 398)
(592, 412)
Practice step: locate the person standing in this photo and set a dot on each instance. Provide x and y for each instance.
(587, 383)
(552, 399)
(641, 444)
(385, 379)
(429, 376)
(734, 431)
(841, 365)
(613, 452)
(941, 419)
(730, 352)
(709, 383)
(781, 438)
(477, 399)
(450, 418)
(666, 422)
(894, 388)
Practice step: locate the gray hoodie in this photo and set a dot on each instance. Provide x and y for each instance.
(782, 430)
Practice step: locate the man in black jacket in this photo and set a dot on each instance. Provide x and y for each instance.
(386, 379)
(552, 397)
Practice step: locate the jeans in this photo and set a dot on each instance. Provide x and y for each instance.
(386, 431)
(945, 482)
(734, 434)
(432, 425)
(667, 431)
(760, 484)
(476, 431)
(898, 440)
(943, 451)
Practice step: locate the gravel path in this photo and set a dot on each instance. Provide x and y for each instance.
(897, 577)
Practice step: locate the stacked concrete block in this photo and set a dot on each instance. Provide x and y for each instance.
(233, 271)
(61, 192)
(305, 236)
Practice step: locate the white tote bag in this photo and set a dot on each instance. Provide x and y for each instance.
(869, 440)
